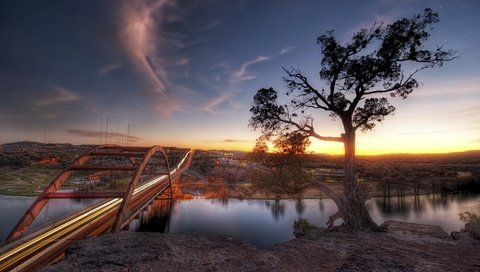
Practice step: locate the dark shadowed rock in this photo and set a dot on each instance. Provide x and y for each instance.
(131, 251)
(414, 231)
(473, 228)
(402, 247)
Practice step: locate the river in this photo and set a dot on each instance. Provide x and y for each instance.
(260, 222)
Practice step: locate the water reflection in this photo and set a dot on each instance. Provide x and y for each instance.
(155, 218)
(418, 205)
(259, 222)
(222, 201)
(321, 205)
(12, 208)
(277, 208)
(435, 209)
(299, 206)
(265, 222)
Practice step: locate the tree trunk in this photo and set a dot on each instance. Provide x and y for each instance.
(355, 215)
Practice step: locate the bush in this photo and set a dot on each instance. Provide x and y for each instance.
(472, 223)
(14, 161)
(301, 227)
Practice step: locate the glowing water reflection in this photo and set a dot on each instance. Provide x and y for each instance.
(266, 222)
(259, 222)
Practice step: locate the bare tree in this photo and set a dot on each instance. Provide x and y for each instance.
(358, 76)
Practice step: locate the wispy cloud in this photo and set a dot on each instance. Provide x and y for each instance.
(213, 103)
(228, 140)
(98, 134)
(234, 77)
(107, 69)
(222, 65)
(285, 50)
(60, 95)
(181, 62)
(381, 12)
(230, 78)
(438, 131)
(144, 39)
(234, 141)
(138, 35)
(166, 106)
(450, 87)
(242, 73)
(211, 25)
(425, 132)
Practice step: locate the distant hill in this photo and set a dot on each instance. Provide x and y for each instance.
(471, 154)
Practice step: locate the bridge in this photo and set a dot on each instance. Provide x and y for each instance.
(28, 251)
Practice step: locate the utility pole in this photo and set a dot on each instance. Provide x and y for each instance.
(118, 134)
(128, 131)
(101, 130)
(44, 133)
(125, 136)
(106, 129)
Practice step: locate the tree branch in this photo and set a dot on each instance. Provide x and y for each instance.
(307, 88)
(397, 86)
(310, 131)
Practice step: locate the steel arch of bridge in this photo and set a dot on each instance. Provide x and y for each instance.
(50, 192)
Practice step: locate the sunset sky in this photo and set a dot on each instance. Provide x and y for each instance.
(183, 73)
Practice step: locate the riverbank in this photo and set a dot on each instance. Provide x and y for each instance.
(188, 189)
(403, 247)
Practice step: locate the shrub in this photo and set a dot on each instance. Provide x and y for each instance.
(301, 227)
(472, 223)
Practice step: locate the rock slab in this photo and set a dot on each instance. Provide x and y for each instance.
(402, 247)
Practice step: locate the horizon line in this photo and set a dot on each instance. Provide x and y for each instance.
(238, 150)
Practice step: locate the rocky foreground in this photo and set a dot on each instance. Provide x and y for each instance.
(403, 247)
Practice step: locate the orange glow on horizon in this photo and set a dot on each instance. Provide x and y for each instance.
(330, 148)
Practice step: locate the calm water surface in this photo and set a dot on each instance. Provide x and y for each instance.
(12, 208)
(260, 222)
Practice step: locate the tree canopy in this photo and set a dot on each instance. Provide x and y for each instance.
(359, 77)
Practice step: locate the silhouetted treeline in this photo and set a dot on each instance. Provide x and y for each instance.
(14, 161)
(433, 173)
(23, 154)
(402, 174)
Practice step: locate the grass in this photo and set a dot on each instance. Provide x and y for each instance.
(32, 180)
(27, 181)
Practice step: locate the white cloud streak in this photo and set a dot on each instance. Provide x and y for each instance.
(61, 95)
(452, 87)
(211, 25)
(242, 73)
(146, 43)
(97, 134)
(107, 69)
(138, 35)
(182, 62)
(212, 104)
(285, 50)
(237, 76)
